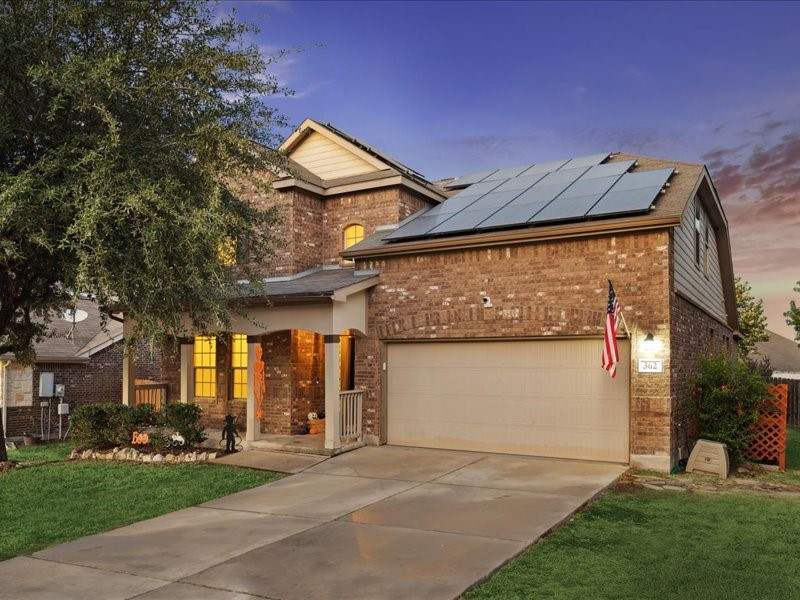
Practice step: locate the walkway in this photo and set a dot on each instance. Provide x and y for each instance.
(377, 523)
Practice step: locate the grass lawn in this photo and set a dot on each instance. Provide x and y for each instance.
(653, 544)
(59, 501)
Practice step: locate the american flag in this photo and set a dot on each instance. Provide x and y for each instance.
(610, 349)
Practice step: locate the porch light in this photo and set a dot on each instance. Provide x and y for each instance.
(649, 342)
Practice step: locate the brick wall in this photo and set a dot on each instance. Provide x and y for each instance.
(368, 208)
(693, 334)
(556, 288)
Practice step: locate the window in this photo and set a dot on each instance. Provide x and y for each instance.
(707, 261)
(238, 366)
(698, 225)
(353, 234)
(205, 366)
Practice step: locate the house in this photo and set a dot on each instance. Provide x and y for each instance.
(783, 355)
(82, 356)
(469, 313)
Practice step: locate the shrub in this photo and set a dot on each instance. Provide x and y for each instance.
(727, 398)
(101, 426)
(184, 418)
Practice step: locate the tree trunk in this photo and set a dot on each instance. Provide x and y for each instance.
(3, 453)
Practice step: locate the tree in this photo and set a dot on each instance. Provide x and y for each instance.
(793, 315)
(752, 321)
(127, 132)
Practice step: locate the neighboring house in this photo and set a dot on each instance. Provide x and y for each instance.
(783, 355)
(81, 356)
(477, 323)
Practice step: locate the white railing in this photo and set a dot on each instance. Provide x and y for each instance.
(350, 405)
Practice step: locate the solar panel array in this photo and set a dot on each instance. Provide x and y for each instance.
(565, 190)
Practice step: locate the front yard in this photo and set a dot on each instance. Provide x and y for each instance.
(640, 543)
(55, 501)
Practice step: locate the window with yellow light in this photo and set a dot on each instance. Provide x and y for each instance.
(238, 366)
(353, 234)
(205, 366)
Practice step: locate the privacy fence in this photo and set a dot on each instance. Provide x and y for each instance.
(793, 400)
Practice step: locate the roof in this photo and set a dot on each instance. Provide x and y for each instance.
(387, 170)
(315, 283)
(76, 339)
(783, 353)
(667, 211)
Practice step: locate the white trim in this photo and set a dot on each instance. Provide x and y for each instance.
(300, 133)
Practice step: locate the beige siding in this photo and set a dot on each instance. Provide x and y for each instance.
(327, 159)
(540, 398)
(691, 280)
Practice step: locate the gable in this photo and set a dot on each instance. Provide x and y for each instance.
(328, 160)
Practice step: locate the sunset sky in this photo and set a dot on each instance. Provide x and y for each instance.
(454, 87)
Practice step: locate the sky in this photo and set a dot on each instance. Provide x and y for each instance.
(453, 87)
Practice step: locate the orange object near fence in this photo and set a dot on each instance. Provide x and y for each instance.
(770, 441)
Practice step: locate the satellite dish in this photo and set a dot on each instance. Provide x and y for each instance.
(75, 316)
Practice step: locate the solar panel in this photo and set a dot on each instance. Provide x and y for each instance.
(608, 169)
(464, 221)
(643, 179)
(587, 187)
(520, 183)
(544, 193)
(565, 209)
(586, 161)
(469, 179)
(513, 214)
(544, 167)
(567, 176)
(627, 201)
(507, 173)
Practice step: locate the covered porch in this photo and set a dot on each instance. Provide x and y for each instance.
(288, 354)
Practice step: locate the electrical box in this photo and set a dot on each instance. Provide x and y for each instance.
(46, 381)
(63, 408)
(59, 390)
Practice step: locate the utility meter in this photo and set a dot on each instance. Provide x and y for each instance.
(59, 390)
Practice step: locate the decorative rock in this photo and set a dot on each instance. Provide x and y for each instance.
(675, 488)
(212, 456)
(74, 454)
(650, 486)
(157, 458)
(170, 458)
(86, 454)
(192, 457)
(133, 453)
(203, 456)
(146, 458)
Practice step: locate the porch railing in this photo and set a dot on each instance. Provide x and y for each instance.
(151, 392)
(350, 405)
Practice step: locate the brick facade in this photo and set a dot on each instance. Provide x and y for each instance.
(96, 381)
(554, 288)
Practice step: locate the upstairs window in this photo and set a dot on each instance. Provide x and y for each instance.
(205, 366)
(238, 366)
(226, 251)
(698, 228)
(353, 234)
(707, 261)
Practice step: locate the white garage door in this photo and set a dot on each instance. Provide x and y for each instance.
(541, 398)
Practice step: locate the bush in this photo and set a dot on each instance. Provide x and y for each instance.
(184, 418)
(726, 402)
(100, 426)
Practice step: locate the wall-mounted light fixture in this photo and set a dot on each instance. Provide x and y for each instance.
(649, 342)
(487, 302)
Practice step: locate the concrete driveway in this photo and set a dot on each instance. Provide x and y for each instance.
(386, 522)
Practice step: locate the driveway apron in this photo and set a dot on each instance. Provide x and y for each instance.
(379, 522)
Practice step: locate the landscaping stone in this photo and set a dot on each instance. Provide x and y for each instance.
(147, 458)
(675, 488)
(170, 458)
(157, 458)
(203, 456)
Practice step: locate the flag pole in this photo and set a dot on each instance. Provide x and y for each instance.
(621, 314)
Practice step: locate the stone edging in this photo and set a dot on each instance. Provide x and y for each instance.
(133, 455)
(733, 484)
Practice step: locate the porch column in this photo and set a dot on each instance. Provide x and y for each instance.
(128, 366)
(254, 370)
(187, 373)
(333, 439)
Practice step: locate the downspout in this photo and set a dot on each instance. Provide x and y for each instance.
(4, 390)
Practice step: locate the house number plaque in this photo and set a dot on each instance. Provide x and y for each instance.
(651, 366)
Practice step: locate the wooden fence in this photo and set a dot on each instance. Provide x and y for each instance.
(151, 392)
(793, 404)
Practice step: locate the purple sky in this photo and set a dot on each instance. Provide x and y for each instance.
(453, 87)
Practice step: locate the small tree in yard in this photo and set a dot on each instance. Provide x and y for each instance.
(122, 128)
(793, 315)
(726, 401)
(752, 320)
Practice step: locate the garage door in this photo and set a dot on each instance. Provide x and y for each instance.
(541, 398)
